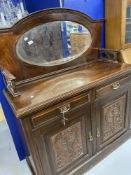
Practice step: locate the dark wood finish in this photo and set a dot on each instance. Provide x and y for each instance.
(49, 114)
(23, 71)
(112, 117)
(83, 168)
(73, 119)
(110, 88)
(100, 115)
(47, 93)
(65, 146)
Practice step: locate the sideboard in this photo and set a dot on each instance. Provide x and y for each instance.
(73, 106)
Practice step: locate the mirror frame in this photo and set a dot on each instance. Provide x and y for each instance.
(57, 62)
(25, 72)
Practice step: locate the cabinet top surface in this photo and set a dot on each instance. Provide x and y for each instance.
(42, 94)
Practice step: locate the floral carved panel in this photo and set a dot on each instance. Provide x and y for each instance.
(67, 145)
(113, 117)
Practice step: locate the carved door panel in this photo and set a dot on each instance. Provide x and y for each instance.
(112, 118)
(63, 147)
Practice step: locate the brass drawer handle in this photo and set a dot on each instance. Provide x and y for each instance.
(64, 109)
(116, 86)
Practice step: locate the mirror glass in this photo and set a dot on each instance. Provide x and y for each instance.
(53, 43)
(128, 25)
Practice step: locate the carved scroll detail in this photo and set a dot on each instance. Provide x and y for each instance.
(108, 54)
(113, 117)
(67, 145)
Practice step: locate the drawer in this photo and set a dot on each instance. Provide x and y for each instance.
(112, 87)
(52, 114)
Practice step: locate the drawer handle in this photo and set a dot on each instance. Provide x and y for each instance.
(64, 109)
(116, 86)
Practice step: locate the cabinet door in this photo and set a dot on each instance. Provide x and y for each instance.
(112, 115)
(62, 146)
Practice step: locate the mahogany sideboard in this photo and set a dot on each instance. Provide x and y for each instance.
(74, 108)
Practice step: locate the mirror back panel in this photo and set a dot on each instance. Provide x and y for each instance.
(49, 41)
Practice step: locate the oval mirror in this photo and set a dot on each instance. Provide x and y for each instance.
(53, 43)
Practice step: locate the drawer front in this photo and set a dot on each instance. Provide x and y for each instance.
(55, 113)
(112, 87)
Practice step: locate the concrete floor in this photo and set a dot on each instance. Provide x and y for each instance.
(117, 163)
(9, 162)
